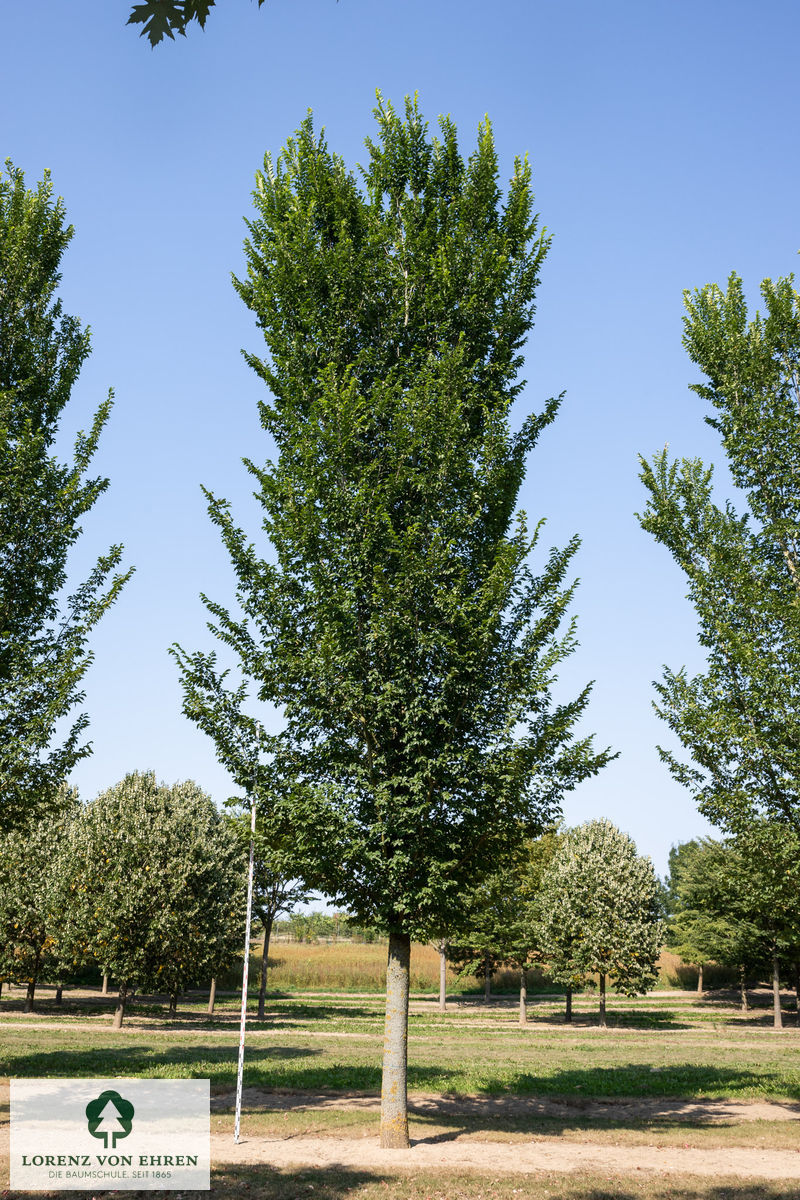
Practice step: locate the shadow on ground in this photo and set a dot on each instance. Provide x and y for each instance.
(339, 1183)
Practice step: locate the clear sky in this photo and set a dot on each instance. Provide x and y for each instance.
(664, 143)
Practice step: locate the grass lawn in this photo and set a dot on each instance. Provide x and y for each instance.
(315, 1051)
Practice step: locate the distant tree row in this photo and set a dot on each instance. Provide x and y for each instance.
(582, 905)
(734, 902)
(146, 882)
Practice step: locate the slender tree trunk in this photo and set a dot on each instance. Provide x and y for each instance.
(602, 1001)
(394, 1096)
(59, 993)
(173, 1004)
(262, 991)
(487, 981)
(797, 990)
(743, 988)
(1, 988)
(105, 985)
(700, 980)
(776, 991)
(568, 1012)
(523, 996)
(442, 976)
(212, 995)
(119, 1012)
(32, 985)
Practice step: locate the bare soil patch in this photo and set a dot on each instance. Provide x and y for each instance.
(629, 1109)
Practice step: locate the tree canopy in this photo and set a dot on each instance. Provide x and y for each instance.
(740, 720)
(44, 634)
(397, 623)
(599, 911)
(155, 888)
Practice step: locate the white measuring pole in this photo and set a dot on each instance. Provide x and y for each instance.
(240, 1072)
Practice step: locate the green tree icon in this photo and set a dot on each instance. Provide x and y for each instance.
(109, 1116)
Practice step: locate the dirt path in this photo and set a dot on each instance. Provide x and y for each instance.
(650, 1108)
(546, 1154)
(540, 1154)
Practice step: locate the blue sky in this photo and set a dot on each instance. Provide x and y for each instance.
(664, 145)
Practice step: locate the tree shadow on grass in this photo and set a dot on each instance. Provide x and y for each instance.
(347, 1183)
(196, 1061)
(681, 1080)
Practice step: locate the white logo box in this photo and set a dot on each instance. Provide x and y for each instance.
(137, 1134)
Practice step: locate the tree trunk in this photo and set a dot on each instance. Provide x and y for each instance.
(797, 990)
(1, 988)
(743, 988)
(487, 981)
(32, 985)
(700, 980)
(394, 1097)
(212, 995)
(59, 993)
(119, 1012)
(568, 1012)
(262, 991)
(776, 991)
(523, 996)
(105, 985)
(602, 1001)
(442, 976)
(173, 1004)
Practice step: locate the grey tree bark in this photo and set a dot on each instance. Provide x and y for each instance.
(442, 976)
(776, 991)
(602, 1001)
(568, 1010)
(523, 996)
(105, 985)
(743, 989)
(700, 980)
(212, 996)
(119, 1012)
(262, 990)
(394, 1085)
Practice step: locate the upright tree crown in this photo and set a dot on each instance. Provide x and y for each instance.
(43, 636)
(740, 721)
(399, 629)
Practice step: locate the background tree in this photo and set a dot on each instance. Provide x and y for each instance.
(690, 932)
(43, 635)
(599, 912)
(740, 721)
(156, 887)
(497, 925)
(398, 626)
(276, 888)
(746, 890)
(31, 867)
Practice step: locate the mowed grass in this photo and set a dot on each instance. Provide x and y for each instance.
(336, 1183)
(672, 1049)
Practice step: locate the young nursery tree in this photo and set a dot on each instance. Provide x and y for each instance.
(276, 888)
(156, 888)
(599, 912)
(31, 872)
(396, 622)
(740, 721)
(43, 634)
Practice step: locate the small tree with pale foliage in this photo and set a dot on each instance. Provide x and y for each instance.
(156, 888)
(599, 912)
